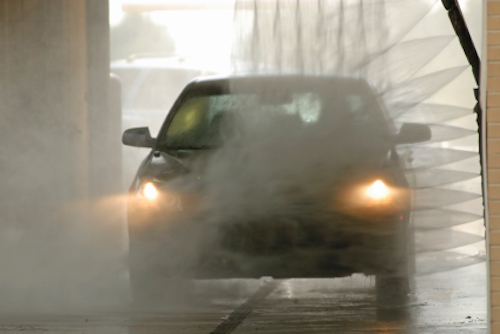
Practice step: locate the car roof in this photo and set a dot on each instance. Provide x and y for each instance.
(251, 81)
(270, 78)
(221, 72)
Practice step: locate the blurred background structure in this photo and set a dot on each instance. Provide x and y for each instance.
(60, 147)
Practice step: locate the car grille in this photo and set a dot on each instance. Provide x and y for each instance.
(279, 235)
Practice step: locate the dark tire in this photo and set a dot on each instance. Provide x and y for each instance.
(156, 292)
(146, 289)
(391, 291)
(393, 285)
(154, 286)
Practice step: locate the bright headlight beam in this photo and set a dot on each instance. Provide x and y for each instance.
(150, 191)
(377, 191)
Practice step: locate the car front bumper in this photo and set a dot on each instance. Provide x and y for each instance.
(199, 246)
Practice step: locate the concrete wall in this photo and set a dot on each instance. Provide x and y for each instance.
(60, 140)
(43, 80)
(54, 77)
(59, 152)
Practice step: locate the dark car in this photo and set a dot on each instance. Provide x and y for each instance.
(282, 176)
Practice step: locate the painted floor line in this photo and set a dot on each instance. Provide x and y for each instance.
(239, 314)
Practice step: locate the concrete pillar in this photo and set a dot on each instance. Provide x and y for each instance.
(43, 112)
(58, 138)
(104, 118)
(492, 79)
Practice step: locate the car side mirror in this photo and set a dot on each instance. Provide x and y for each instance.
(138, 137)
(413, 133)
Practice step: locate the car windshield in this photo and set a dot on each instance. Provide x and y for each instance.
(205, 119)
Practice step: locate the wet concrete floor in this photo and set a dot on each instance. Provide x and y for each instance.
(452, 301)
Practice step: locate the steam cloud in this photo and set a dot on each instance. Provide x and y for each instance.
(64, 255)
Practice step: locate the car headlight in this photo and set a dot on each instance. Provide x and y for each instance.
(374, 197)
(378, 193)
(149, 191)
(150, 195)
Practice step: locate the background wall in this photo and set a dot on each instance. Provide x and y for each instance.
(60, 144)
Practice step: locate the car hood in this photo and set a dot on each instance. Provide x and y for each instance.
(198, 166)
